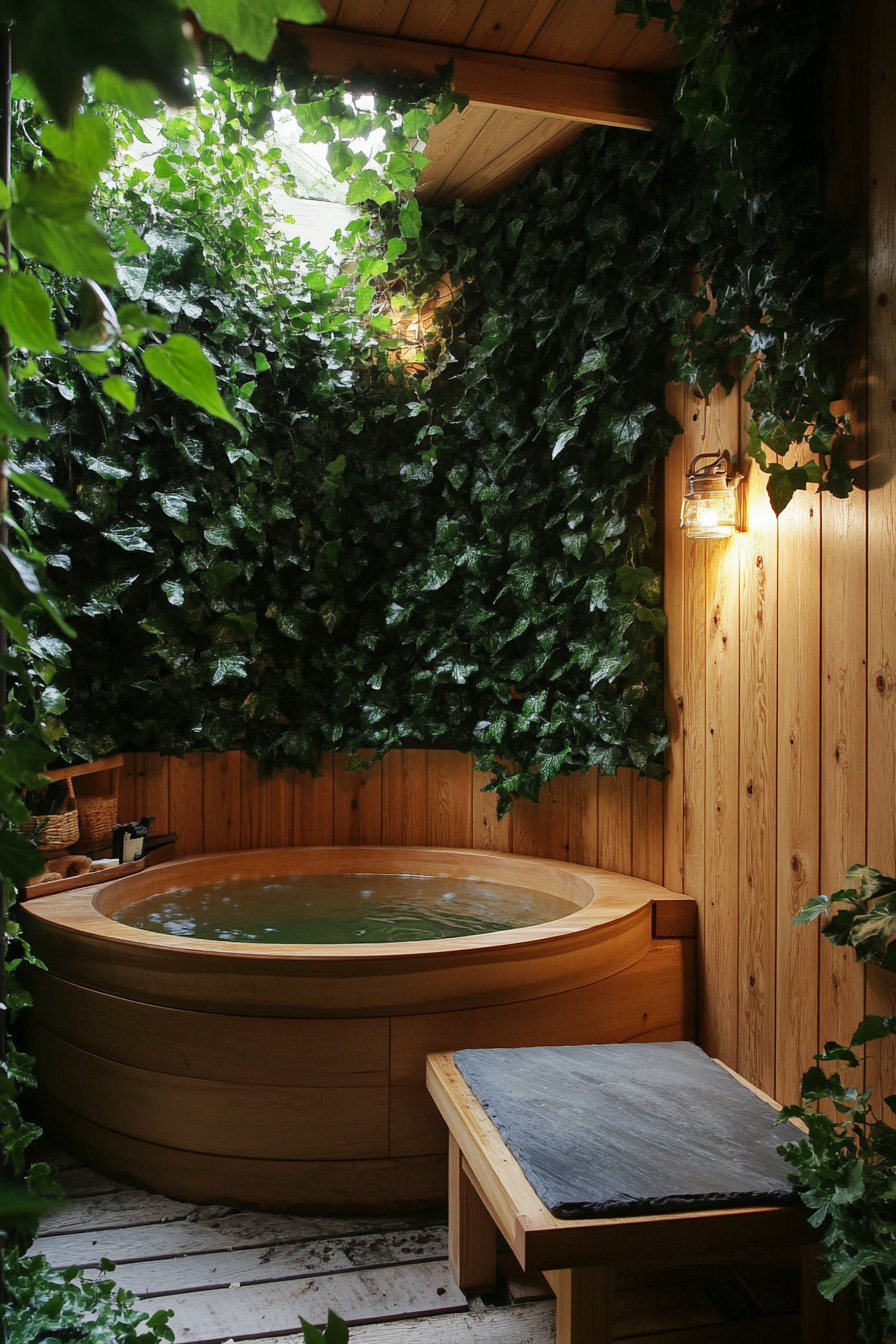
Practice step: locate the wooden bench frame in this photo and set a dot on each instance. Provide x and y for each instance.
(488, 1190)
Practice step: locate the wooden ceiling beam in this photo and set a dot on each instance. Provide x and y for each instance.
(555, 89)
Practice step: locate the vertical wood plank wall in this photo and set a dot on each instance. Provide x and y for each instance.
(222, 801)
(781, 664)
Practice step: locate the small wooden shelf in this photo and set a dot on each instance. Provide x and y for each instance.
(36, 889)
(88, 768)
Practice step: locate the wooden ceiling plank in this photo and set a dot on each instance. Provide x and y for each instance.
(544, 140)
(572, 92)
(448, 143)
(371, 16)
(615, 42)
(572, 30)
(508, 25)
(504, 130)
(447, 21)
(651, 51)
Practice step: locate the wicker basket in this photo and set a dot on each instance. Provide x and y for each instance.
(97, 816)
(56, 832)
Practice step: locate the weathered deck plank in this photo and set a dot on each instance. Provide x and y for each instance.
(237, 1275)
(533, 1324)
(80, 1181)
(257, 1310)
(213, 1230)
(264, 1264)
(123, 1208)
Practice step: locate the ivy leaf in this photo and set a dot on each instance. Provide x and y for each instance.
(341, 159)
(87, 145)
(563, 439)
(310, 1333)
(336, 1331)
(363, 298)
(136, 95)
(13, 424)
(120, 391)
(174, 591)
(873, 1028)
(51, 222)
(26, 313)
(129, 538)
(233, 628)
(782, 483)
(37, 486)
(175, 505)
(817, 905)
(410, 220)
(58, 44)
(873, 930)
(19, 858)
(227, 666)
(182, 365)
(252, 28)
(364, 187)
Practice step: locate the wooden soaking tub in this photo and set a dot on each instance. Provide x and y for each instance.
(291, 1076)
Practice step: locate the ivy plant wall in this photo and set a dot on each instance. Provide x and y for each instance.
(457, 552)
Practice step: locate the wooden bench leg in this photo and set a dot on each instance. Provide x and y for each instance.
(472, 1247)
(584, 1304)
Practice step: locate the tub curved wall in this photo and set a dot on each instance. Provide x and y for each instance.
(291, 1076)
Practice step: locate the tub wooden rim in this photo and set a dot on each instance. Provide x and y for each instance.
(609, 933)
(88, 910)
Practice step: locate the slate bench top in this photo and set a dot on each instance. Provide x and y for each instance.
(610, 1131)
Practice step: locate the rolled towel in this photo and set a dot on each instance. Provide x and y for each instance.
(41, 878)
(69, 865)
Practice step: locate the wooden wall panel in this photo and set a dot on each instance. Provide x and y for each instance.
(757, 857)
(675, 643)
(647, 829)
(614, 821)
(185, 813)
(807, 703)
(693, 699)
(127, 788)
(357, 802)
(799, 714)
(581, 794)
(487, 831)
(225, 801)
(405, 817)
(151, 798)
(267, 808)
(542, 828)
(881, 695)
(449, 799)
(721, 426)
(843, 763)
(844, 558)
(221, 800)
(312, 818)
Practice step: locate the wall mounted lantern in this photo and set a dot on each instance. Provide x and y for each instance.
(709, 507)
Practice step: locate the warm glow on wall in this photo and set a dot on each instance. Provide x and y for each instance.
(709, 508)
(417, 325)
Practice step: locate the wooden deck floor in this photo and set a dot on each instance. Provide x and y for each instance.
(232, 1275)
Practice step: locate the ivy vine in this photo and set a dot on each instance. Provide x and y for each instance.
(457, 552)
(770, 258)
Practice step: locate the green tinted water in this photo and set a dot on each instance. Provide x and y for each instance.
(342, 908)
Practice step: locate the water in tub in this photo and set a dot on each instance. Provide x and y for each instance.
(343, 908)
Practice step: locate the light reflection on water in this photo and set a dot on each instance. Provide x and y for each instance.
(342, 908)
